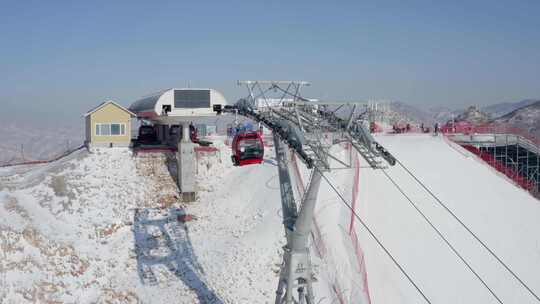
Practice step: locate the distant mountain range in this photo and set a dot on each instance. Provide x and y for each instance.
(523, 114)
(526, 118)
(410, 113)
(24, 141)
(501, 109)
(443, 114)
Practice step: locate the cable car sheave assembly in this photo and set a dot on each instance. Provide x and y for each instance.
(309, 129)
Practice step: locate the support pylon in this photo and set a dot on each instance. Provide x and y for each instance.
(296, 275)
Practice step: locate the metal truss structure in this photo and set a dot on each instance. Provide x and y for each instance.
(519, 154)
(516, 156)
(307, 128)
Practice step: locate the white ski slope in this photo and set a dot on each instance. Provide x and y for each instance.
(504, 216)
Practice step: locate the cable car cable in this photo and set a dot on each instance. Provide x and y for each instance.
(375, 238)
(470, 231)
(442, 237)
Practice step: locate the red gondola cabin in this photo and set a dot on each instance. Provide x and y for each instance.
(247, 149)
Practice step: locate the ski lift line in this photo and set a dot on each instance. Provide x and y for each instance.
(454, 250)
(396, 263)
(470, 231)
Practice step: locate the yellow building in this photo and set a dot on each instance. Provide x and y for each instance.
(108, 125)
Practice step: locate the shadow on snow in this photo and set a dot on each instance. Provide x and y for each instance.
(161, 240)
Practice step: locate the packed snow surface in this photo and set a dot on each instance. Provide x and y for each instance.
(505, 217)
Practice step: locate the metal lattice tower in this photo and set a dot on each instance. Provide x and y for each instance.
(308, 128)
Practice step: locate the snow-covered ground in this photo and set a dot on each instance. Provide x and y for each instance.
(504, 216)
(103, 227)
(66, 229)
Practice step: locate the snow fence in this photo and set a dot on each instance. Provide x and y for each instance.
(349, 283)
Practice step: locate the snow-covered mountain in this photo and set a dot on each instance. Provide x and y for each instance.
(411, 112)
(526, 118)
(501, 109)
(473, 115)
(443, 114)
(431, 115)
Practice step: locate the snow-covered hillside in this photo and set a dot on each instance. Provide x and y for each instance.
(526, 118)
(66, 229)
(473, 115)
(501, 109)
(104, 227)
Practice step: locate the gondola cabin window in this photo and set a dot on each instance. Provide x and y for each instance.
(250, 148)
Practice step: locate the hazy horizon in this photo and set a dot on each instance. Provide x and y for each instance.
(61, 59)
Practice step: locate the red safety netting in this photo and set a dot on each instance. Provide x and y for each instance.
(510, 172)
(352, 232)
(319, 243)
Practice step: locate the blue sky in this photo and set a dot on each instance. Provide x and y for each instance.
(59, 58)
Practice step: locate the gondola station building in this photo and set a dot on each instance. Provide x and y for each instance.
(172, 108)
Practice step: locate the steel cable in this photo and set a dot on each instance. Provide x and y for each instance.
(469, 230)
(375, 238)
(442, 237)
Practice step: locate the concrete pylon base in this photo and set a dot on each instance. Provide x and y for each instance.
(186, 164)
